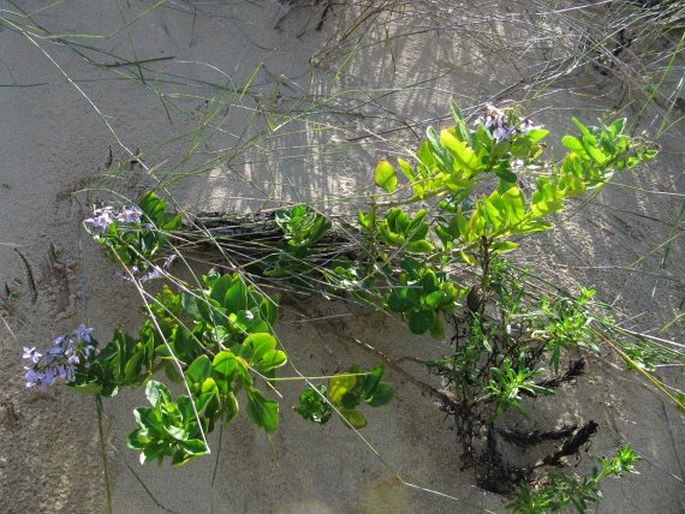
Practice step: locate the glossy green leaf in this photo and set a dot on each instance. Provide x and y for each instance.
(420, 322)
(198, 371)
(236, 297)
(231, 407)
(406, 170)
(382, 396)
(385, 177)
(225, 364)
(464, 155)
(263, 412)
(365, 220)
(339, 385)
(156, 392)
(194, 447)
(535, 135)
(355, 418)
(419, 247)
(435, 298)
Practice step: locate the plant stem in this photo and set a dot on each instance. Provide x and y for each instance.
(103, 453)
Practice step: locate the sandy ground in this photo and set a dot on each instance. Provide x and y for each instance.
(318, 113)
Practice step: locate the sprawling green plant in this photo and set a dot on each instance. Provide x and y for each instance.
(434, 249)
(561, 490)
(430, 249)
(218, 340)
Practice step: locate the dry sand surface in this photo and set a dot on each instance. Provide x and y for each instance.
(82, 123)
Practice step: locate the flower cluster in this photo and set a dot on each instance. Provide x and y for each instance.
(58, 363)
(144, 276)
(125, 217)
(504, 126)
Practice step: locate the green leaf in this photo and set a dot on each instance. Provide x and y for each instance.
(198, 371)
(461, 129)
(515, 205)
(420, 322)
(349, 400)
(259, 350)
(437, 330)
(464, 155)
(209, 392)
(536, 135)
(339, 385)
(236, 297)
(190, 305)
(256, 346)
(156, 392)
(500, 247)
(225, 364)
(219, 288)
(268, 310)
(263, 412)
(382, 396)
(355, 418)
(422, 246)
(402, 299)
(574, 144)
(385, 177)
(365, 220)
(587, 135)
(85, 387)
(133, 365)
(468, 258)
(231, 407)
(313, 407)
(371, 381)
(175, 432)
(435, 298)
(194, 447)
(406, 170)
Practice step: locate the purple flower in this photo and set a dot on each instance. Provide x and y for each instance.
(152, 275)
(168, 260)
(58, 342)
(32, 378)
(58, 363)
(83, 333)
(525, 126)
(129, 215)
(32, 354)
(504, 126)
(101, 220)
(501, 133)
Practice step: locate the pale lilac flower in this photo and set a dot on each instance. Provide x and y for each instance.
(32, 354)
(31, 378)
(58, 342)
(525, 126)
(501, 133)
(129, 215)
(502, 127)
(102, 218)
(168, 260)
(152, 275)
(83, 333)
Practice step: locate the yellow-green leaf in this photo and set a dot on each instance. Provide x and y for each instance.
(385, 177)
(464, 155)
